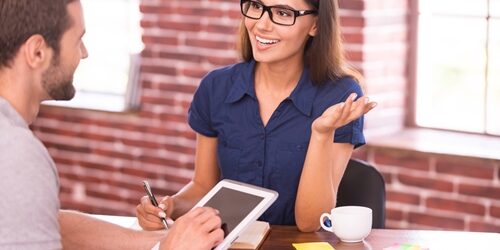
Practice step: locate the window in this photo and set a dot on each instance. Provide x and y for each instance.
(108, 78)
(458, 62)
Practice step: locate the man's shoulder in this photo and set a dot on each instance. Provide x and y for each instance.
(19, 145)
(14, 135)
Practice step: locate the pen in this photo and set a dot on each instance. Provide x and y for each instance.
(153, 200)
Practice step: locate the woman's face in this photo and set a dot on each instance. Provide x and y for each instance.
(272, 42)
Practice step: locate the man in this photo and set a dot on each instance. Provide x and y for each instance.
(40, 48)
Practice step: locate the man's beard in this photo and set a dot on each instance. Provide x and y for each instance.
(57, 82)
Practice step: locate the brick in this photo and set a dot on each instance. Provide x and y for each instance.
(193, 72)
(354, 56)
(349, 21)
(158, 100)
(481, 191)
(401, 197)
(188, 57)
(401, 159)
(388, 177)
(222, 29)
(164, 161)
(179, 26)
(436, 221)
(172, 87)
(495, 211)
(351, 5)
(158, 69)
(117, 154)
(67, 147)
(394, 225)
(476, 169)
(210, 44)
(426, 182)
(481, 226)
(455, 206)
(198, 11)
(220, 61)
(152, 39)
(498, 170)
(353, 38)
(393, 214)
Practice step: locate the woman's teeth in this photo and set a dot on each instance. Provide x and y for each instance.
(265, 41)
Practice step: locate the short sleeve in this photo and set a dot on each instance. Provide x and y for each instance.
(199, 111)
(352, 132)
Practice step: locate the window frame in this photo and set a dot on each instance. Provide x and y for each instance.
(411, 115)
(127, 101)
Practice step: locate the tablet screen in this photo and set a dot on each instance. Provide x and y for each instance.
(231, 215)
(239, 204)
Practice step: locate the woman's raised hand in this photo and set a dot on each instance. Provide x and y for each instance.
(342, 113)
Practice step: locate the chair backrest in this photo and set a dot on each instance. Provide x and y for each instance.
(363, 185)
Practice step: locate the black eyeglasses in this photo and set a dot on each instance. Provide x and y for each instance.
(279, 14)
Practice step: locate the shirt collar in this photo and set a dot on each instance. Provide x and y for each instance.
(242, 83)
(302, 96)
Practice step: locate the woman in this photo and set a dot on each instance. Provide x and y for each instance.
(287, 118)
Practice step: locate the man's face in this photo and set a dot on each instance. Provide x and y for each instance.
(57, 80)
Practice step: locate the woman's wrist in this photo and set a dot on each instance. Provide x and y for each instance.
(322, 137)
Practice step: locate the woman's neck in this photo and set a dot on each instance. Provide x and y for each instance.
(278, 77)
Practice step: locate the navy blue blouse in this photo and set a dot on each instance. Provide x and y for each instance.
(272, 156)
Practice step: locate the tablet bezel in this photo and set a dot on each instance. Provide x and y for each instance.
(269, 196)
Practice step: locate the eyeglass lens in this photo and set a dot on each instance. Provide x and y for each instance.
(279, 15)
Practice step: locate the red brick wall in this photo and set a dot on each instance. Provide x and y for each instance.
(103, 157)
(438, 192)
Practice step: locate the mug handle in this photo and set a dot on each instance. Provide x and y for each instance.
(322, 223)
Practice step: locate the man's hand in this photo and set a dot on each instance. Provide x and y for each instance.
(198, 229)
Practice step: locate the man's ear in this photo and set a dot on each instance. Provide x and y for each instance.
(36, 51)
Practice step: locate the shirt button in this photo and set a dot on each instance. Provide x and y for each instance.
(262, 137)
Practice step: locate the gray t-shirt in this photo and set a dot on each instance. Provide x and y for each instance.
(29, 187)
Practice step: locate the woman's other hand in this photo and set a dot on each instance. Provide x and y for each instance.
(149, 216)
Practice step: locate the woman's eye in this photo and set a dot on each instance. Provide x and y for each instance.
(255, 5)
(284, 13)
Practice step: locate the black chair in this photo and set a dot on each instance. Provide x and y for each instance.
(363, 185)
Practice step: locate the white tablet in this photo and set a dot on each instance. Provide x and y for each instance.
(239, 205)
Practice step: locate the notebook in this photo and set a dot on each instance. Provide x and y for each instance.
(253, 236)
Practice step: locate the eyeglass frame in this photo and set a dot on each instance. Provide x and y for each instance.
(297, 13)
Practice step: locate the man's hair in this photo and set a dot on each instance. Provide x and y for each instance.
(21, 19)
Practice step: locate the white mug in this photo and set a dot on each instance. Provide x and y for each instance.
(349, 223)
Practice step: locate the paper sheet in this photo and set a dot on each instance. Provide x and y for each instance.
(313, 246)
